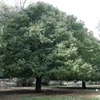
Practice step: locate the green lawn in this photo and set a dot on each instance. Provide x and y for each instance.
(59, 98)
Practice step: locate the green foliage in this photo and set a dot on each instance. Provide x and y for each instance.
(42, 41)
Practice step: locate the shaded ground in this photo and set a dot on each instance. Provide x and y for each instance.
(15, 94)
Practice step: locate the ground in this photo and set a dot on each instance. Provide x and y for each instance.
(49, 94)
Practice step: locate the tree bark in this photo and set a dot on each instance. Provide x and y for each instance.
(38, 85)
(83, 84)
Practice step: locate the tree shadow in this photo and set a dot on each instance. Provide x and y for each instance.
(12, 94)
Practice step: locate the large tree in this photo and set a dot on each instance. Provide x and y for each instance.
(41, 41)
(32, 39)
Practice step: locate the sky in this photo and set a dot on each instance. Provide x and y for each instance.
(85, 10)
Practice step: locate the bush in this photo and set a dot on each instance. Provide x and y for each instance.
(23, 82)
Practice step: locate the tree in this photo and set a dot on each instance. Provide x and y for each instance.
(88, 48)
(42, 41)
(6, 13)
(31, 39)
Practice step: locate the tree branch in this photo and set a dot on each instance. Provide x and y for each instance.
(3, 1)
(24, 3)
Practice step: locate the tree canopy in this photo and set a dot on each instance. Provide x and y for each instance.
(42, 41)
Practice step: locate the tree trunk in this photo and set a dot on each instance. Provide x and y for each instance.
(83, 84)
(38, 85)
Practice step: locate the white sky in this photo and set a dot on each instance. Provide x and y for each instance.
(85, 10)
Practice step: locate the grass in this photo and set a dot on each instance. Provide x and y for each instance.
(58, 98)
